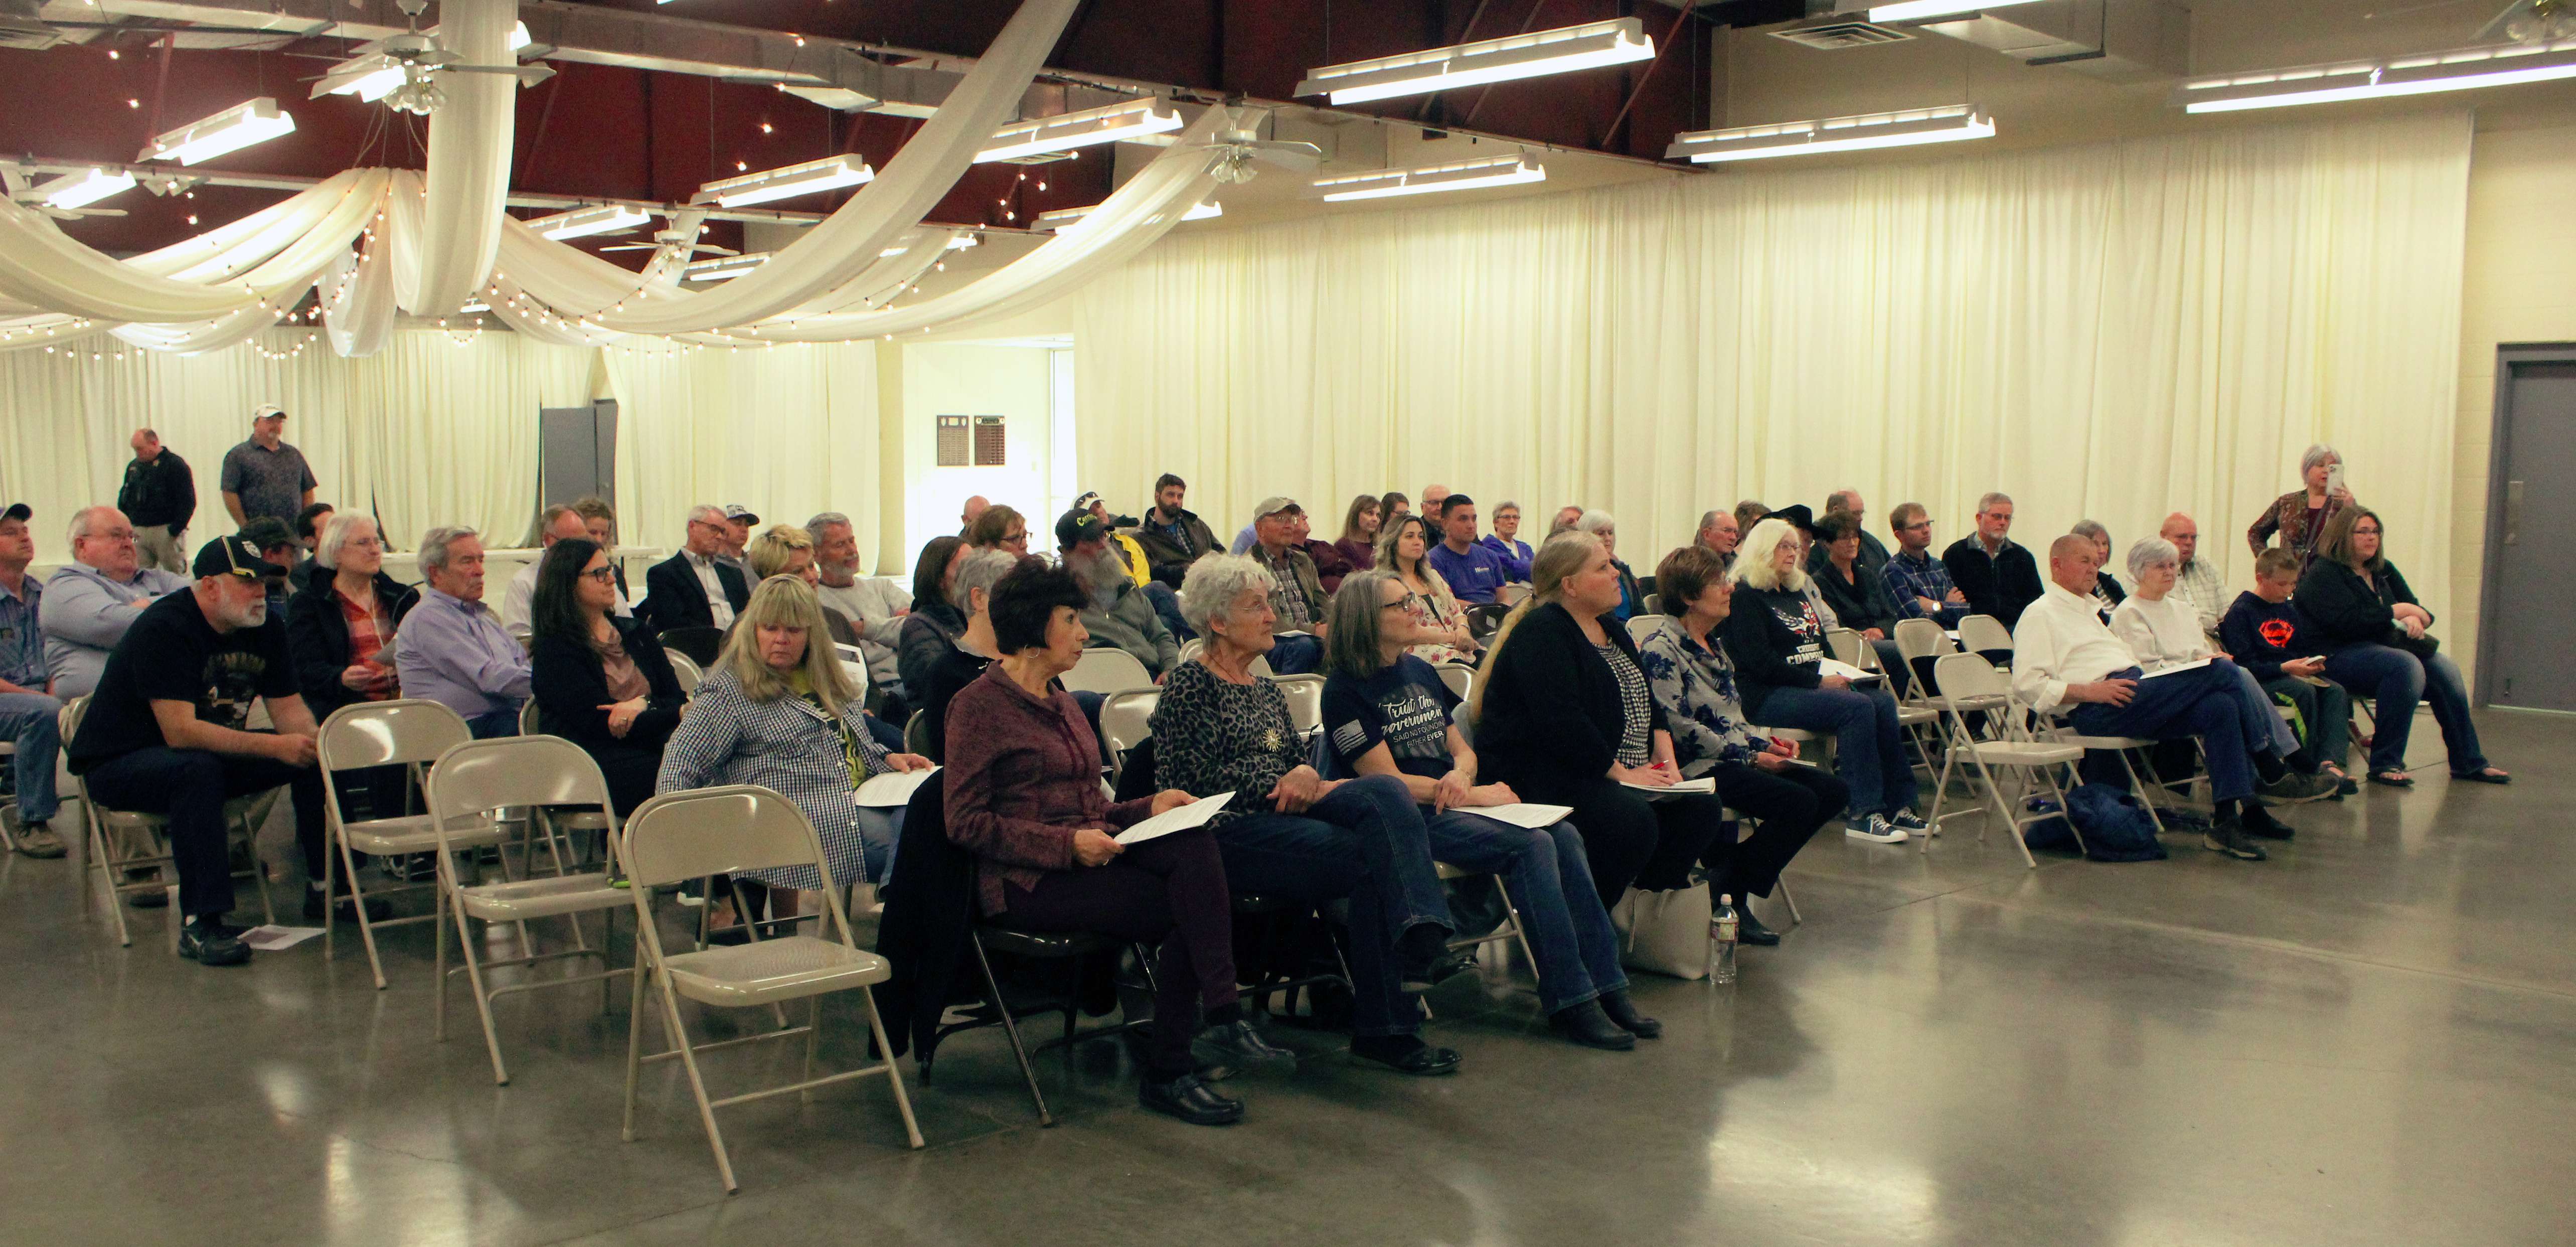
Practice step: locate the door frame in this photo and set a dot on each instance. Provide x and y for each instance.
(2509, 356)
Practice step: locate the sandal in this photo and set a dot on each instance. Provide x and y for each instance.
(2392, 779)
(2491, 775)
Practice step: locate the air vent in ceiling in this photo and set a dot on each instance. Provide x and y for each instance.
(1835, 36)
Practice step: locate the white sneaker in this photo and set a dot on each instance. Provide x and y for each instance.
(1875, 829)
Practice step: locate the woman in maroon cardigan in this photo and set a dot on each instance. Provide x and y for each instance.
(1023, 789)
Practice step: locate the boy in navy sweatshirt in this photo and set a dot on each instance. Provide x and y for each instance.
(2264, 632)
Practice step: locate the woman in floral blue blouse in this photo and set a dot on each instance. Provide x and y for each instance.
(1759, 778)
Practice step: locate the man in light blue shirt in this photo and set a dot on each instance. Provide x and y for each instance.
(452, 649)
(1474, 572)
(93, 599)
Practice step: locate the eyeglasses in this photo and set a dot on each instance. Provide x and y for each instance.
(604, 575)
(362, 543)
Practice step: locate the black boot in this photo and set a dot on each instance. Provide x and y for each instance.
(1586, 1024)
(1623, 1014)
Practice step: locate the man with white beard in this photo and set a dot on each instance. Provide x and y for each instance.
(874, 605)
(166, 732)
(1119, 615)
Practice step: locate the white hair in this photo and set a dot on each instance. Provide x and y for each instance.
(1753, 558)
(326, 552)
(706, 511)
(2093, 530)
(825, 520)
(1596, 521)
(2317, 454)
(2146, 552)
(434, 543)
(982, 569)
(1214, 582)
(83, 518)
(1988, 502)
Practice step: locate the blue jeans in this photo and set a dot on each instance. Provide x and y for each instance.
(1548, 877)
(2207, 702)
(880, 828)
(1364, 840)
(2327, 712)
(1869, 747)
(32, 723)
(2399, 680)
(496, 724)
(2276, 731)
(1296, 655)
(1167, 607)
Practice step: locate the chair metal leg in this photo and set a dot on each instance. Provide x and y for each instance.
(894, 1076)
(438, 920)
(482, 1001)
(104, 862)
(697, 1081)
(1790, 899)
(993, 992)
(634, 1034)
(813, 1039)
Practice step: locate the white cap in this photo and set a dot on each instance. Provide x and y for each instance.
(265, 410)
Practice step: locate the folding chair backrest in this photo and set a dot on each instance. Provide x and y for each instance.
(1984, 632)
(1460, 677)
(1126, 718)
(1190, 648)
(69, 721)
(714, 831)
(1968, 675)
(1642, 626)
(1921, 638)
(1511, 594)
(916, 733)
(528, 724)
(701, 644)
(481, 776)
(1261, 666)
(1305, 700)
(1107, 670)
(385, 733)
(1844, 644)
(686, 670)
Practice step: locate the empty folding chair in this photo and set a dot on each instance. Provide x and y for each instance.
(145, 847)
(556, 825)
(1107, 671)
(1985, 634)
(410, 733)
(1966, 679)
(739, 827)
(470, 783)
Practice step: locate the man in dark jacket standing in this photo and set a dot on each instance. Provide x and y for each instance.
(159, 497)
(1999, 577)
(1173, 537)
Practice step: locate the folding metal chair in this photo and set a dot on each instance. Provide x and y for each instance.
(410, 733)
(686, 670)
(1126, 720)
(470, 782)
(1107, 670)
(8, 804)
(1965, 678)
(558, 825)
(1849, 646)
(739, 827)
(1979, 634)
(1305, 695)
(1460, 677)
(1642, 626)
(147, 835)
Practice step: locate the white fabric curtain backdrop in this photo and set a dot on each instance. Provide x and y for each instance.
(2109, 332)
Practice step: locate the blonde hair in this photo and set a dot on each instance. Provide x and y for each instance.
(768, 553)
(1754, 557)
(1559, 559)
(786, 602)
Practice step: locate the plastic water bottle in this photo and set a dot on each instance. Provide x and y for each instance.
(1721, 941)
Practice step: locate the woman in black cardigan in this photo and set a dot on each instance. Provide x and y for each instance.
(350, 559)
(600, 681)
(1858, 595)
(2372, 630)
(1565, 716)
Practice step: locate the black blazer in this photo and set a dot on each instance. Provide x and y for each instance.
(675, 599)
(1999, 587)
(1552, 719)
(317, 638)
(2346, 610)
(570, 686)
(1863, 602)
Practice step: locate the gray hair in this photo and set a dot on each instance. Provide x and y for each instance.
(1987, 503)
(1706, 518)
(982, 569)
(1351, 646)
(1214, 582)
(1594, 521)
(2146, 552)
(83, 518)
(434, 543)
(708, 512)
(1506, 505)
(2093, 529)
(326, 552)
(2317, 454)
(825, 520)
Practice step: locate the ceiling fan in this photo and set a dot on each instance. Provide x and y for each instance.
(679, 239)
(1243, 145)
(2532, 21)
(401, 69)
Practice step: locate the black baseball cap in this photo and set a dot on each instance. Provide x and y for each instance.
(1077, 527)
(17, 511)
(1796, 516)
(234, 556)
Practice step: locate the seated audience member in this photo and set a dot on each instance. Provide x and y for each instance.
(30, 717)
(1999, 577)
(1434, 501)
(1173, 536)
(963, 660)
(1388, 716)
(1288, 832)
(165, 732)
(1330, 567)
(555, 523)
(1439, 620)
(1565, 716)
(1857, 595)
(1358, 543)
(2161, 631)
(931, 630)
(1918, 583)
(1775, 642)
(92, 600)
(600, 681)
(1115, 612)
(1473, 572)
(340, 631)
(1000, 528)
(451, 648)
(1566, 517)
(1873, 556)
(1391, 505)
(782, 550)
(778, 710)
(2377, 642)
(2107, 590)
(599, 520)
(2065, 656)
(1748, 512)
(1716, 534)
(307, 527)
(1695, 684)
(1295, 597)
(694, 588)
(1505, 541)
(2300, 516)
(2199, 583)
(1123, 542)
(277, 545)
(1606, 529)
(971, 511)
(1024, 797)
(874, 606)
(739, 521)
(2267, 636)
(1802, 529)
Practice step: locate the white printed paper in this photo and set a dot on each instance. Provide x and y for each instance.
(1520, 813)
(893, 788)
(1678, 788)
(1835, 666)
(2180, 666)
(272, 938)
(1195, 814)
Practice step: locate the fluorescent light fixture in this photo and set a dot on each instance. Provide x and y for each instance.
(959, 242)
(371, 77)
(1053, 222)
(724, 268)
(74, 190)
(255, 121)
(1559, 51)
(584, 222)
(1088, 128)
(477, 305)
(1834, 134)
(1917, 10)
(2461, 69)
(809, 178)
(1456, 176)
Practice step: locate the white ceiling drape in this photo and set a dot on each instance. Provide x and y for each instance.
(470, 142)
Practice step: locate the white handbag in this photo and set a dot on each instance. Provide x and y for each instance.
(1664, 932)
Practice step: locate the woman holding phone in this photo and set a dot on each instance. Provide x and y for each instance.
(2301, 515)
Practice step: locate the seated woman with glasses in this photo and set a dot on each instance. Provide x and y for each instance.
(2378, 643)
(601, 680)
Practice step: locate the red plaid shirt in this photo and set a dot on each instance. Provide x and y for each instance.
(368, 636)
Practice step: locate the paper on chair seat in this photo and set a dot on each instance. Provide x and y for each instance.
(1519, 813)
(2174, 667)
(1195, 814)
(893, 787)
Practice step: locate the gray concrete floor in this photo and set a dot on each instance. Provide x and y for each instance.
(2365, 1040)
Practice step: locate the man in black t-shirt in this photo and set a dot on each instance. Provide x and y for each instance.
(165, 732)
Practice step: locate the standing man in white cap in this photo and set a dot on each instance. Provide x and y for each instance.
(264, 476)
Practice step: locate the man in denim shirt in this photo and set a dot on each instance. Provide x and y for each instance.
(28, 716)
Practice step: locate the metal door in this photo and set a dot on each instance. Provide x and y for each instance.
(2528, 658)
